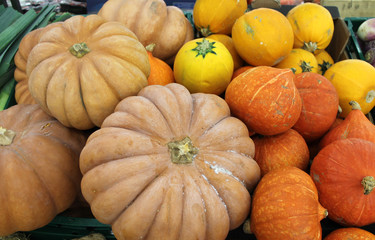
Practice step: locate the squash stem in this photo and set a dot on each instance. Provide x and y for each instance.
(150, 47)
(204, 47)
(306, 67)
(370, 96)
(355, 105)
(368, 184)
(79, 49)
(182, 152)
(205, 31)
(310, 46)
(6, 136)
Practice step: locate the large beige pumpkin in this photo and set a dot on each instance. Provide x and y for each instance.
(82, 68)
(153, 22)
(168, 164)
(39, 169)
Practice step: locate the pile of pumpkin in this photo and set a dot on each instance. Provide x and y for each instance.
(169, 134)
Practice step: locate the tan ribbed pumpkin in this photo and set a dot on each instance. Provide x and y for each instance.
(168, 164)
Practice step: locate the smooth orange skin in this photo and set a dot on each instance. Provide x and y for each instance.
(337, 171)
(161, 73)
(355, 125)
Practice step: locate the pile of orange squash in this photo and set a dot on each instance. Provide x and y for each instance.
(172, 129)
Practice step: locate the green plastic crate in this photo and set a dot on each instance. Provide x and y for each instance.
(354, 48)
(66, 228)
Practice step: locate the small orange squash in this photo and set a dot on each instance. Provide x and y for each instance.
(312, 26)
(344, 174)
(265, 99)
(350, 233)
(262, 36)
(281, 150)
(168, 164)
(240, 71)
(355, 125)
(217, 16)
(320, 104)
(160, 72)
(286, 206)
(299, 60)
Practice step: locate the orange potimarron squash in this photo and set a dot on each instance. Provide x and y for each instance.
(350, 233)
(281, 150)
(312, 26)
(299, 60)
(161, 73)
(354, 81)
(152, 21)
(320, 104)
(168, 164)
(217, 16)
(262, 36)
(39, 168)
(22, 93)
(203, 65)
(344, 172)
(265, 99)
(240, 71)
(228, 43)
(82, 68)
(285, 206)
(355, 125)
(324, 60)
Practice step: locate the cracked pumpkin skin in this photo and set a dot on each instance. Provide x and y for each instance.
(168, 164)
(265, 99)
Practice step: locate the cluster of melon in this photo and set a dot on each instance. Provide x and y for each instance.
(178, 129)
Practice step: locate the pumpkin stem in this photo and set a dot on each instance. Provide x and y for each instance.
(246, 227)
(150, 47)
(205, 31)
(370, 96)
(306, 67)
(368, 184)
(6, 136)
(324, 66)
(355, 105)
(79, 49)
(204, 47)
(182, 152)
(310, 46)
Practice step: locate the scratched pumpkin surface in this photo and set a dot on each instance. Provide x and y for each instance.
(265, 99)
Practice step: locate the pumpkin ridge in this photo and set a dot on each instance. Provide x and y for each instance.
(19, 152)
(60, 142)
